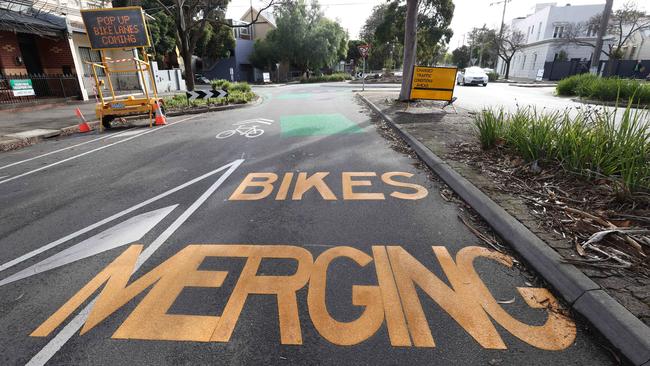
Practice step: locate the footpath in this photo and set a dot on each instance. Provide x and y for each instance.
(615, 301)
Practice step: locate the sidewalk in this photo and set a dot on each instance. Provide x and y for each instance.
(43, 120)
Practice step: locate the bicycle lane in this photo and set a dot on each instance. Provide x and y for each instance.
(311, 252)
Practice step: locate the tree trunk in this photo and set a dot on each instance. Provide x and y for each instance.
(602, 29)
(507, 69)
(186, 53)
(410, 48)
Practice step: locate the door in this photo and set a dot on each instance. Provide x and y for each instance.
(29, 52)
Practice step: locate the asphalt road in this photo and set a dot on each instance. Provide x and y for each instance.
(312, 242)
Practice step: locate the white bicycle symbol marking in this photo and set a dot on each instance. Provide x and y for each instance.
(246, 128)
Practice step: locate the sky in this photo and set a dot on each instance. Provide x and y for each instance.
(352, 14)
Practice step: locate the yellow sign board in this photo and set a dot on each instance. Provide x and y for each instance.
(434, 83)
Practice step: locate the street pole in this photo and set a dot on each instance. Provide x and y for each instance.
(363, 78)
(602, 28)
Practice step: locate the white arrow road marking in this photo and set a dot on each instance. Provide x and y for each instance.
(121, 234)
(61, 338)
(113, 217)
(95, 150)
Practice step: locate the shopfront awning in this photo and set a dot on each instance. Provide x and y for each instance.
(42, 24)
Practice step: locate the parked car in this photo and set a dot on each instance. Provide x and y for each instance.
(472, 76)
(488, 70)
(200, 79)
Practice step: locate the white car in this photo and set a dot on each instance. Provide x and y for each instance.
(472, 76)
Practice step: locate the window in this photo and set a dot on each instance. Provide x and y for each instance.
(244, 31)
(592, 30)
(539, 30)
(558, 31)
(532, 66)
(87, 54)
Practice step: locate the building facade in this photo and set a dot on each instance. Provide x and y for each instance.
(47, 43)
(238, 67)
(545, 33)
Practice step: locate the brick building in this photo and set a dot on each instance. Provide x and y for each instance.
(49, 46)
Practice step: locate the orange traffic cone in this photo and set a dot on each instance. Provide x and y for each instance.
(160, 117)
(83, 126)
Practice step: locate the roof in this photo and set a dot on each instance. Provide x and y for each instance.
(43, 24)
(266, 15)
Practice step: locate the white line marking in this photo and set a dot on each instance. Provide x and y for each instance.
(125, 134)
(123, 233)
(106, 220)
(61, 338)
(94, 150)
(59, 150)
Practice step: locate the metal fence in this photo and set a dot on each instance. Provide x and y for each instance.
(558, 70)
(45, 86)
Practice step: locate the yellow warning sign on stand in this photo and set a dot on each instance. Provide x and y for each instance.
(434, 83)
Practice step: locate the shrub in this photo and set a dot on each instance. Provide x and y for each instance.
(492, 76)
(605, 89)
(567, 86)
(592, 143)
(241, 86)
(220, 84)
(489, 127)
(340, 76)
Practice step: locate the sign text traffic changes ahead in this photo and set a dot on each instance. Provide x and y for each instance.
(116, 27)
(434, 83)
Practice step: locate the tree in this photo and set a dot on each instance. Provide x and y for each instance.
(410, 44)
(353, 53)
(508, 44)
(419, 30)
(482, 45)
(622, 24)
(460, 56)
(192, 18)
(303, 37)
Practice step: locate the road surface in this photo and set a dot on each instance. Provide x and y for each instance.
(298, 236)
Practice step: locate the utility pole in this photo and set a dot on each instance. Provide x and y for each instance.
(410, 47)
(602, 28)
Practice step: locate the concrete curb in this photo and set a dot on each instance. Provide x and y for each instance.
(15, 144)
(621, 104)
(623, 330)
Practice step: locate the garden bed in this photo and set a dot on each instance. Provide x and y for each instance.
(608, 89)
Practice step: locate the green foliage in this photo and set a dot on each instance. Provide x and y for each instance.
(230, 86)
(384, 29)
(220, 84)
(595, 144)
(492, 76)
(489, 127)
(163, 35)
(460, 56)
(303, 37)
(353, 51)
(340, 76)
(605, 89)
(215, 42)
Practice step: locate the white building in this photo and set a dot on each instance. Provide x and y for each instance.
(545, 31)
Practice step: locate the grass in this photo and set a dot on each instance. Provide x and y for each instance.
(230, 86)
(340, 76)
(592, 143)
(608, 89)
